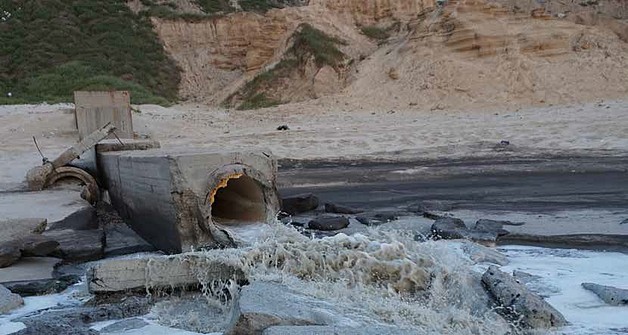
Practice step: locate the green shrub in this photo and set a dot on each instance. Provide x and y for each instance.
(259, 100)
(375, 32)
(322, 46)
(45, 42)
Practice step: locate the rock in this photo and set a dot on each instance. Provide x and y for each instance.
(299, 204)
(122, 240)
(336, 330)
(36, 276)
(9, 254)
(328, 223)
(450, 228)
(14, 229)
(262, 305)
(481, 254)
(283, 127)
(124, 325)
(609, 294)
(339, 209)
(624, 222)
(29, 269)
(82, 219)
(8, 300)
(44, 286)
(37, 245)
(76, 320)
(493, 226)
(522, 306)
(78, 245)
(377, 218)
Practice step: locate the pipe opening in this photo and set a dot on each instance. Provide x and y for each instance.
(241, 199)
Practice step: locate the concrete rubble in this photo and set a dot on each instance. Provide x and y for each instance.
(154, 272)
(517, 303)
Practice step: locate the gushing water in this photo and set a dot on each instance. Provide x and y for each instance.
(377, 277)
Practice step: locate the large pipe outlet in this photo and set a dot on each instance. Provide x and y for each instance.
(184, 201)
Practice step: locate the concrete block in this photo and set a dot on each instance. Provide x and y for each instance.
(177, 201)
(95, 109)
(125, 274)
(108, 145)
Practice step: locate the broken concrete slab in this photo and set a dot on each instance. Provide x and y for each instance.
(83, 218)
(609, 294)
(9, 254)
(53, 205)
(36, 276)
(122, 240)
(36, 245)
(300, 203)
(495, 226)
(29, 269)
(8, 300)
(520, 305)
(78, 245)
(125, 274)
(15, 228)
(454, 228)
(262, 305)
(174, 199)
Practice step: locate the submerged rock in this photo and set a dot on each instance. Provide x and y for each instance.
(609, 294)
(8, 300)
(328, 223)
(339, 209)
(520, 305)
(124, 325)
(377, 218)
(481, 254)
(299, 204)
(77, 320)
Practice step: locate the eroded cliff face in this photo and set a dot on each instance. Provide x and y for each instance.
(467, 51)
(219, 55)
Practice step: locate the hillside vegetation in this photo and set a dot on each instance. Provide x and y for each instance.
(49, 48)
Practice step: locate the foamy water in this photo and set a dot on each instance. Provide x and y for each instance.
(384, 277)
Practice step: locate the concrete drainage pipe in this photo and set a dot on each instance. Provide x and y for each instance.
(183, 201)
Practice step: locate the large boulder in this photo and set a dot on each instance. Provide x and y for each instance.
(449, 228)
(609, 294)
(328, 223)
(263, 304)
(521, 306)
(299, 204)
(8, 300)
